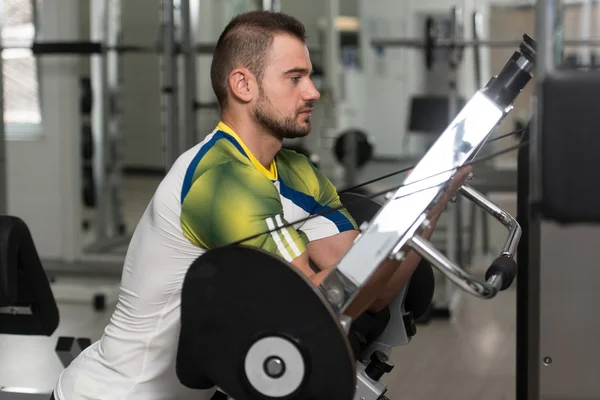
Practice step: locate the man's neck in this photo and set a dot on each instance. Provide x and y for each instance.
(263, 144)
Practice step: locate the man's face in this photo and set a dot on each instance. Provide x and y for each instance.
(287, 93)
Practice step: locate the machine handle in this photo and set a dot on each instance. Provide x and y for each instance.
(503, 269)
(503, 266)
(514, 229)
(487, 290)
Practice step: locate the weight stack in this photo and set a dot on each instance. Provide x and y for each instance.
(87, 144)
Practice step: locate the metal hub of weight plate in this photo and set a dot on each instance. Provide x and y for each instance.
(254, 326)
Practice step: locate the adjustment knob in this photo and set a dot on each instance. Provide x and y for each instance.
(380, 364)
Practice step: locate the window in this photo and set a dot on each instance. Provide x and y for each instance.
(22, 112)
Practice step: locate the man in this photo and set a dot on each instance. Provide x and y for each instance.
(235, 184)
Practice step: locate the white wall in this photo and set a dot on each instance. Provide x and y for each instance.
(43, 173)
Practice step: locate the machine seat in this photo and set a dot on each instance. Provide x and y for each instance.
(27, 305)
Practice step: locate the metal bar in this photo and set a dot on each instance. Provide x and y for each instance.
(477, 21)
(115, 117)
(514, 230)
(3, 181)
(36, 33)
(455, 32)
(272, 5)
(332, 46)
(465, 281)
(189, 123)
(169, 85)
(99, 77)
(421, 44)
(477, 28)
(81, 47)
(485, 234)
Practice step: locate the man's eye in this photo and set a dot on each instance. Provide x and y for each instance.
(295, 79)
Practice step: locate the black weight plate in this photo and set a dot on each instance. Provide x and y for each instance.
(87, 142)
(232, 297)
(86, 99)
(88, 188)
(363, 146)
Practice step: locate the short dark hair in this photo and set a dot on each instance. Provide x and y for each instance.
(245, 42)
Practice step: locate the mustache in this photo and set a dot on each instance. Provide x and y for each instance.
(309, 104)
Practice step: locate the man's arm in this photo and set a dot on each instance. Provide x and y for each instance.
(392, 276)
(232, 202)
(412, 259)
(327, 252)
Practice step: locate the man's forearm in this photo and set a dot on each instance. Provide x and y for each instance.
(369, 293)
(403, 271)
(373, 289)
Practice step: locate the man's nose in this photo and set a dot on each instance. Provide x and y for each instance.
(312, 93)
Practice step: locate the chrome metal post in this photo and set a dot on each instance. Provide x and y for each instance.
(454, 60)
(99, 78)
(188, 108)
(549, 38)
(35, 13)
(115, 115)
(272, 5)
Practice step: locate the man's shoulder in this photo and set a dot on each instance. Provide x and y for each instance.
(292, 156)
(299, 173)
(215, 149)
(231, 178)
(218, 151)
(296, 163)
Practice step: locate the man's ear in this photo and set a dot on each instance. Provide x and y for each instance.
(241, 83)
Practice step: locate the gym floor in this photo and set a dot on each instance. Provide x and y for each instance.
(469, 356)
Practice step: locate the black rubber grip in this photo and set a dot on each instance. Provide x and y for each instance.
(67, 48)
(507, 267)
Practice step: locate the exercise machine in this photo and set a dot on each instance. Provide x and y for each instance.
(286, 341)
(27, 305)
(557, 297)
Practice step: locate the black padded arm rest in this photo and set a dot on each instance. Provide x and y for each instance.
(23, 283)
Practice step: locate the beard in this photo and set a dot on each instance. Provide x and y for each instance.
(282, 127)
